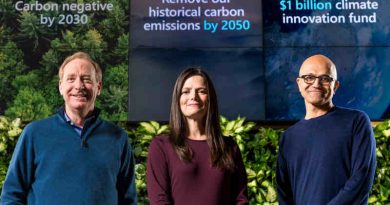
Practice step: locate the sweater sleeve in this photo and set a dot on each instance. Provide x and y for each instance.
(20, 174)
(363, 163)
(127, 194)
(284, 189)
(158, 180)
(241, 179)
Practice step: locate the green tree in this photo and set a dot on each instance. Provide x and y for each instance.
(11, 65)
(38, 50)
(30, 79)
(52, 94)
(116, 22)
(29, 105)
(31, 31)
(113, 99)
(121, 52)
(117, 75)
(5, 35)
(9, 133)
(67, 44)
(93, 44)
(7, 14)
(50, 63)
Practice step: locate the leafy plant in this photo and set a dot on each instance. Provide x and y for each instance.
(113, 100)
(29, 104)
(380, 193)
(259, 148)
(259, 151)
(31, 29)
(9, 132)
(11, 65)
(140, 139)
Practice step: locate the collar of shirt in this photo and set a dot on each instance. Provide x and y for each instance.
(75, 127)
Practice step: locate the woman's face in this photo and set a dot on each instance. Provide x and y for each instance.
(194, 98)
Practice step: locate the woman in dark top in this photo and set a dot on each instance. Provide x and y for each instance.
(195, 164)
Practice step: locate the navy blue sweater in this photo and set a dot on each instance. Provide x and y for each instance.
(327, 160)
(51, 164)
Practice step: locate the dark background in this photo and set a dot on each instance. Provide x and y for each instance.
(255, 71)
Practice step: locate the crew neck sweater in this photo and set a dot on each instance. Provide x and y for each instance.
(327, 160)
(172, 181)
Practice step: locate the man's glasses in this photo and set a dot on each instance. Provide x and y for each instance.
(324, 79)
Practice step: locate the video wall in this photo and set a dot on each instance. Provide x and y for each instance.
(253, 50)
(354, 34)
(225, 38)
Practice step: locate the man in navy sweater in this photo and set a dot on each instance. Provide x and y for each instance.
(72, 157)
(329, 156)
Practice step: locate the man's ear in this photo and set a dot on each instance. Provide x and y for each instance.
(297, 81)
(100, 84)
(336, 86)
(59, 87)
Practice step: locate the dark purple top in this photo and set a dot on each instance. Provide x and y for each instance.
(172, 181)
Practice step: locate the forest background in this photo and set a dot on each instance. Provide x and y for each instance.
(31, 53)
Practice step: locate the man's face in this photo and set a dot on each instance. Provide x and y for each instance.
(78, 85)
(321, 91)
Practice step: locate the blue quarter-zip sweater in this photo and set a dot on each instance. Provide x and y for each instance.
(52, 164)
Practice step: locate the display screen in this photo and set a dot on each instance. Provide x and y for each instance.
(35, 38)
(354, 34)
(251, 49)
(255, 58)
(223, 37)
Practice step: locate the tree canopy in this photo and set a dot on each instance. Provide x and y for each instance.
(31, 53)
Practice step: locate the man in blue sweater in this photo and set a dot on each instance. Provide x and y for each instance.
(72, 157)
(329, 156)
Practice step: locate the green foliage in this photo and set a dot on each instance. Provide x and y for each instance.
(50, 62)
(52, 94)
(258, 147)
(113, 100)
(11, 65)
(121, 52)
(35, 52)
(31, 79)
(381, 189)
(238, 130)
(5, 34)
(29, 105)
(31, 29)
(93, 44)
(7, 12)
(9, 132)
(90, 42)
(117, 75)
(259, 151)
(140, 139)
(115, 22)
(67, 43)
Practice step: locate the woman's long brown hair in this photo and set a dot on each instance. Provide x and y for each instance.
(220, 154)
